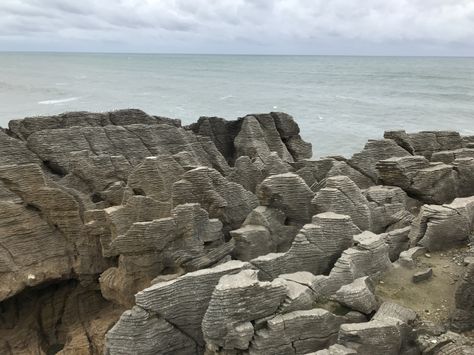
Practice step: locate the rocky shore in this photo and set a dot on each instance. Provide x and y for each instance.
(125, 233)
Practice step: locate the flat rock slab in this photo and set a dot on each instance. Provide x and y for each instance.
(422, 275)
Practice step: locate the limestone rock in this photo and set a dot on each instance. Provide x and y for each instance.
(462, 318)
(385, 203)
(274, 220)
(251, 242)
(397, 241)
(358, 295)
(440, 227)
(315, 248)
(298, 332)
(374, 337)
(237, 301)
(141, 332)
(435, 183)
(341, 195)
(368, 257)
(374, 151)
(428, 142)
(335, 349)
(222, 199)
(184, 301)
(289, 193)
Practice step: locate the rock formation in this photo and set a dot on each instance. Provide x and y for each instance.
(125, 233)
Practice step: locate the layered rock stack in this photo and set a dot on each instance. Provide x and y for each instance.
(125, 233)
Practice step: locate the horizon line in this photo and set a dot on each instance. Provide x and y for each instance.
(233, 54)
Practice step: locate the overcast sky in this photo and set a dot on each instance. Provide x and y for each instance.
(380, 27)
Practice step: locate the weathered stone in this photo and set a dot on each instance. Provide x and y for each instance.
(374, 337)
(335, 349)
(315, 248)
(298, 332)
(251, 242)
(368, 257)
(407, 258)
(422, 275)
(440, 227)
(462, 318)
(358, 295)
(397, 241)
(341, 195)
(385, 203)
(273, 219)
(289, 193)
(184, 301)
(374, 151)
(237, 301)
(435, 183)
(141, 332)
(428, 142)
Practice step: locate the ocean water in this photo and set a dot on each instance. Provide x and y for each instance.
(339, 102)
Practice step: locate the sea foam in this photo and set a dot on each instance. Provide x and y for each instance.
(57, 101)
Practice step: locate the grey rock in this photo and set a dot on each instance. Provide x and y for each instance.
(441, 227)
(462, 318)
(289, 193)
(184, 301)
(407, 258)
(341, 195)
(141, 332)
(397, 241)
(298, 332)
(428, 142)
(237, 301)
(435, 183)
(315, 248)
(374, 151)
(251, 242)
(222, 199)
(358, 295)
(335, 349)
(422, 275)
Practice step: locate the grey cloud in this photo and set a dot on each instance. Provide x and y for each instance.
(277, 25)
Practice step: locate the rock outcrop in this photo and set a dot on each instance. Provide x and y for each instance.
(125, 233)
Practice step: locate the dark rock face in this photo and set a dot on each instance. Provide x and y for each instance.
(125, 233)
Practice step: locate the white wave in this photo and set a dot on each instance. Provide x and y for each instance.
(226, 97)
(57, 101)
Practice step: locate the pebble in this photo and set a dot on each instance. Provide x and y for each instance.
(428, 255)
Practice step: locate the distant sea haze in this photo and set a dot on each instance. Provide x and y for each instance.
(339, 102)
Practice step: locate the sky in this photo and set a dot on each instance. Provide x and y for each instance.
(345, 27)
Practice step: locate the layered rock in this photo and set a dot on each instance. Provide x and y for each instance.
(439, 227)
(315, 249)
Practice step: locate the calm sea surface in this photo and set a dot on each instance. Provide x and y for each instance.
(339, 102)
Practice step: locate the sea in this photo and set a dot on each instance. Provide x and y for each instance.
(339, 102)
